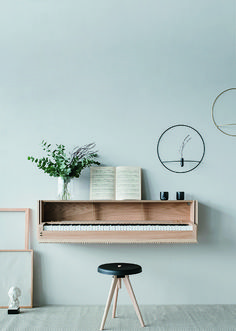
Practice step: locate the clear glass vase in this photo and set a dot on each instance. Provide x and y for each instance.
(65, 188)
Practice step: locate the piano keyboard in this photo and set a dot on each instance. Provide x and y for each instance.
(117, 227)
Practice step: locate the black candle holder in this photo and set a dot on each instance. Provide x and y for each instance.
(179, 195)
(164, 195)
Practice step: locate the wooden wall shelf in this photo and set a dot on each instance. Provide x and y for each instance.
(113, 221)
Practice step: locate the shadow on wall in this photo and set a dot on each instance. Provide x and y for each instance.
(38, 295)
(146, 194)
(215, 226)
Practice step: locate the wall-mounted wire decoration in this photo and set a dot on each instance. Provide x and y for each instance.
(225, 124)
(180, 148)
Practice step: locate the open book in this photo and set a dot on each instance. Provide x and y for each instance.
(115, 183)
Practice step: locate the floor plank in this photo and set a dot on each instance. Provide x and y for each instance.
(156, 318)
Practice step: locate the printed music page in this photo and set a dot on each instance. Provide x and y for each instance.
(102, 183)
(128, 183)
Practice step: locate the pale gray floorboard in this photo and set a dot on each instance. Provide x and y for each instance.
(156, 318)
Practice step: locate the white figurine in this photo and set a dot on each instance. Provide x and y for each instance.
(14, 293)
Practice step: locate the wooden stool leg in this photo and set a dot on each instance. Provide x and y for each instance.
(109, 299)
(133, 299)
(118, 286)
(119, 283)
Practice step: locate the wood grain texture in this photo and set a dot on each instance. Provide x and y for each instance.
(115, 300)
(118, 212)
(133, 299)
(68, 211)
(119, 236)
(109, 299)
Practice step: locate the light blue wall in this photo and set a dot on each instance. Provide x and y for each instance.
(119, 73)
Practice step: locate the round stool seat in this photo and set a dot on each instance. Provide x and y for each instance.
(119, 269)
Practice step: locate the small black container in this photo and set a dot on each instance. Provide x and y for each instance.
(179, 195)
(164, 195)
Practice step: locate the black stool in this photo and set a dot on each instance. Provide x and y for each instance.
(118, 271)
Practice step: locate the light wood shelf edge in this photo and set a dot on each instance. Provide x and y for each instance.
(121, 236)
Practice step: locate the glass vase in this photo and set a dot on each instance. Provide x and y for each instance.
(65, 188)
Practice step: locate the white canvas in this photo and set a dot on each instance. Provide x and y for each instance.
(16, 270)
(12, 234)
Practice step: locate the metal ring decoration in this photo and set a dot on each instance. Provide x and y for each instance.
(198, 162)
(212, 112)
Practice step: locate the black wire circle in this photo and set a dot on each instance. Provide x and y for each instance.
(193, 161)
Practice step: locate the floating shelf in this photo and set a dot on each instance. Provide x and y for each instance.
(113, 221)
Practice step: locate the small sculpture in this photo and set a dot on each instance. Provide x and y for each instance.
(14, 293)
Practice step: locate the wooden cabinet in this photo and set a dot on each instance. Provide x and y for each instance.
(145, 221)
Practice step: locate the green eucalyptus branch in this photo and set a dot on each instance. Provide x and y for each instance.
(57, 163)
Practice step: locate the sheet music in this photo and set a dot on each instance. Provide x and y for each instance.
(128, 183)
(102, 183)
(115, 183)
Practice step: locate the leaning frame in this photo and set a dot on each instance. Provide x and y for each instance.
(25, 250)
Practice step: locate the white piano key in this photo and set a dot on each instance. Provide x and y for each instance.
(116, 227)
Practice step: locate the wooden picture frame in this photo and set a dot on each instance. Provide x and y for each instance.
(17, 268)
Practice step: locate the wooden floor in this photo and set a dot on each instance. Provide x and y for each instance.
(156, 318)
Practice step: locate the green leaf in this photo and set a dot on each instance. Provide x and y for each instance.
(58, 163)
